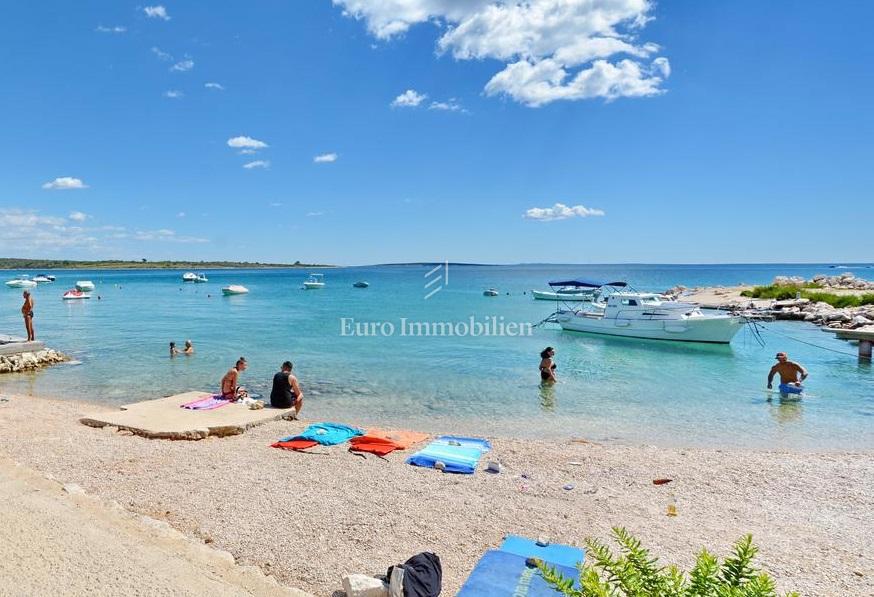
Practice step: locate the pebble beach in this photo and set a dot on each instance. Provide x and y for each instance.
(306, 519)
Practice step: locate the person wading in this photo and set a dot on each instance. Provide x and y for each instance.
(789, 371)
(27, 313)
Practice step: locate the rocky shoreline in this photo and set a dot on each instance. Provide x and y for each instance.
(31, 360)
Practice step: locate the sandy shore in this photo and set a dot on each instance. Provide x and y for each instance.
(725, 296)
(307, 518)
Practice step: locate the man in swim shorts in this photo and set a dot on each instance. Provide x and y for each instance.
(789, 371)
(27, 313)
(286, 391)
(230, 389)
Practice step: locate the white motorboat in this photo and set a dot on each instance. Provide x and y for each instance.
(22, 282)
(42, 278)
(85, 285)
(647, 315)
(234, 289)
(189, 277)
(200, 279)
(314, 282)
(491, 292)
(75, 294)
(571, 295)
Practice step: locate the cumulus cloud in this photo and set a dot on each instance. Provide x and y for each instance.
(161, 54)
(244, 142)
(174, 94)
(65, 183)
(551, 49)
(560, 211)
(213, 85)
(325, 158)
(263, 164)
(450, 105)
(409, 99)
(78, 216)
(116, 29)
(183, 66)
(156, 12)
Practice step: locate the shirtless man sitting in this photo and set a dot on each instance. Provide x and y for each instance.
(789, 371)
(230, 389)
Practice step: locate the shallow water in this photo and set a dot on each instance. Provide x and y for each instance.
(610, 389)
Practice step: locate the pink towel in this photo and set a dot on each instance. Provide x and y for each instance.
(208, 403)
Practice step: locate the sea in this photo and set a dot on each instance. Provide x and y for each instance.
(423, 348)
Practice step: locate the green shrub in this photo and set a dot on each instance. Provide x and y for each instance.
(783, 293)
(633, 573)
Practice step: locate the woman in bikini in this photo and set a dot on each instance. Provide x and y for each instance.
(230, 389)
(27, 313)
(547, 367)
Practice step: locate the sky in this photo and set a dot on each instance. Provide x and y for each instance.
(372, 131)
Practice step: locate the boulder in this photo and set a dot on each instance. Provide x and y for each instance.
(361, 585)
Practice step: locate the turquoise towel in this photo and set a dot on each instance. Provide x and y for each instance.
(458, 459)
(482, 445)
(327, 434)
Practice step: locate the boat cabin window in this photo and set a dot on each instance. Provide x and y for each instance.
(650, 300)
(629, 302)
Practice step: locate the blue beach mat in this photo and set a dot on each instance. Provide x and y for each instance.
(482, 445)
(458, 459)
(553, 553)
(502, 574)
(327, 434)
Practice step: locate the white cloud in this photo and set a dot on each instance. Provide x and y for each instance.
(315, 214)
(174, 94)
(116, 29)
(325, 158)
(213, 85)
(560, 211)
(156, 12)
(165, 235)
(183, 66)
(409, 99)
(243, 142)
(257, 164)
(26, 228)
(551, 49)
(276, 204)
(161, 54)
(65, 183)
(181, 214)
(247, 151)
(450, 105)
(78, 216)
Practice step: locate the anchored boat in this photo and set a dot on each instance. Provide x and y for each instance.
(314, 282)
(22, 282)
(74, 294)
(234, 289)
(189, 277)
(85, 285)
(619, 311)
(490, 292)
(361, 284)
(570, 294)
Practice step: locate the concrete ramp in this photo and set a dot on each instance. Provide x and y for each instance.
(165, 418)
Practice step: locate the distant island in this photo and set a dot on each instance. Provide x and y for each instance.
(10, 263)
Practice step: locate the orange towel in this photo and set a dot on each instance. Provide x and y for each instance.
(374, 445)
(403, 439)
(295, 444)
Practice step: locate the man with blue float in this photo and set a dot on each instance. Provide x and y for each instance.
(791, 375)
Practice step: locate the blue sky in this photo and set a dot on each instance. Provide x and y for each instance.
(679, 132)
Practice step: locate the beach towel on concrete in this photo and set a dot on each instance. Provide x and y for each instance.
(295, 444)
(456, 459)
(403, 439)
(327, 434)
(502, 574)
(482, 445)
(206, 403)
(553, 553)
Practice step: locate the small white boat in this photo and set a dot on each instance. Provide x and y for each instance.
(361, 284)
(234, 289)
(75, 294)
(85, 285)
(42, 278)
(189, 277)
(571, 295)
(491, 292)
(314, 282)
(200, 279)
(647, 315)
(22, 282)
(50, 277)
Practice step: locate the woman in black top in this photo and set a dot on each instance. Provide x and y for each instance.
(547, 367)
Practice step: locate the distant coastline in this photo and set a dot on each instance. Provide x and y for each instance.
(49, 264)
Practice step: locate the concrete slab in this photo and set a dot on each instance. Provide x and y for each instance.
(20, 346)
(165, 419)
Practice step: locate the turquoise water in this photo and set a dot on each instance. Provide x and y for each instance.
(610, 389)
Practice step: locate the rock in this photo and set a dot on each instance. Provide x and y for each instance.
(73, 489)
(860, 321)
(361, 585)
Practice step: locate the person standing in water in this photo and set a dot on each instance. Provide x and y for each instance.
(230, 389)
(189, 347)
(789, 371)
(27, 313)
(286, 391)
(547, 367)
(173, 350)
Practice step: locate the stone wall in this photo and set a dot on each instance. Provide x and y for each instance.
(29, 361)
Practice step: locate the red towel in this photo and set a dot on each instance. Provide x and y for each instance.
(295, 444)
(375, 445)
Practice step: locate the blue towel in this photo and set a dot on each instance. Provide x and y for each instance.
(553, 553)
(482, 445)
(457, 459)
(502, 574)
(327, 434)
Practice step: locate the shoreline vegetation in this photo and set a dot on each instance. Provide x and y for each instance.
(52, 264)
